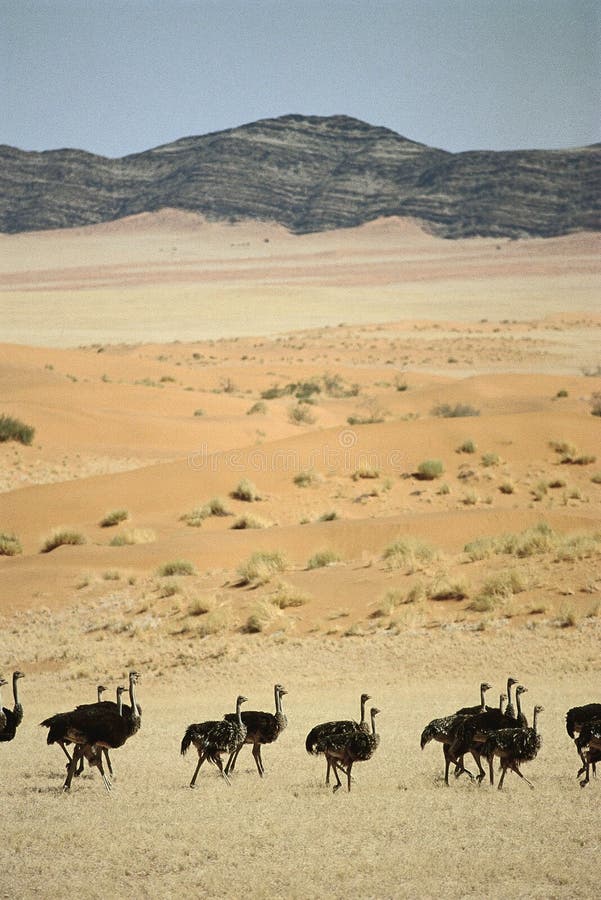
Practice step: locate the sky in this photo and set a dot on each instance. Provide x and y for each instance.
(120, 76)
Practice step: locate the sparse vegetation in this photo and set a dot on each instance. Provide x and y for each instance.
(9, 545)
(114, 518)
(329, 516)
(286, 596)
(12, 429)
(467, 447)
(62, 538)
(258, 408)
(301, 415)
(507, 487)
(131, 536)
(490, 459)
(429, 469)
(246, 490)
(459, 410)
(307, 478)
(323, 558)
(449, 590)
(409, 553)
(177, 567)
(365, 471)
(249, 521)
(261, 567)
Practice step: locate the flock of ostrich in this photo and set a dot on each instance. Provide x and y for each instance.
(485, 732)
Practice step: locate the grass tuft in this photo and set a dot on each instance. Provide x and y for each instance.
(62, 538)
(176, 567)
(323, 558)
(9, 545)
(429, 469)
(261, 567)
(246, 490)
(114, 518)
(14, 430)
(409, 553)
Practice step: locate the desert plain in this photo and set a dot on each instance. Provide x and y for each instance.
(363, 460)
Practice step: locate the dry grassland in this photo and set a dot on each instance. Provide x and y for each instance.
(183, 510)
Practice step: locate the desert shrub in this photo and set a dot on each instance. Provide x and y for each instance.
(449, 590)
(482, 603)
(307, 478)
(246, 490)
(490, 459)
(14, 430)
(470, 498)
(400, 384)
(329, 516)
(214, 622)
(556, 483)
(195, 518)
(561, 394)
(200, 606)
(443, 489)
(596, 404)
(259, 618)
(216, 507)
(459, 410)
(9, 545)
(300, 415)
(467, 447)
(429, 469)
(61, 538)
(114, 518)
(507, 487)
(261, 566)
(131, 536)
(531, 542)
(416, 593)
(258, 408)
(286, 595)
(199, 412)
(275, 392)
(111, 575)
(323, 558)
(249, 521)
(370, 419)
(365, 471)
(481, 548)
(169, 589)
(176, 567)
(567, 616)
(408, 553)
(335, 386)
(596, 478)
(577, 546)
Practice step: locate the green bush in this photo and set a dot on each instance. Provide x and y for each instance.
(307, 478)
(301, 415)
(15, 430)
(467, 447)
(258, 408)
(429, 469)
(408, 553)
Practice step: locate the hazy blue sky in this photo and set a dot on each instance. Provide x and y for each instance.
(119, 76)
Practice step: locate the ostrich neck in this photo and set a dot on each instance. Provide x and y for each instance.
(373, 725)
(16, 690)
(363, 702)
(518, 704)
(132, 697)
(277, 701)
(534, 721)
(0, 699)
(120, 703)
(239, 713)
(509, 700)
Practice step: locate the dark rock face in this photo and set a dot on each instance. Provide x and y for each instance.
(309, 174)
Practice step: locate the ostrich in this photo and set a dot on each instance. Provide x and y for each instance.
(513, 746)
(576, 718)
(261, 728)
(473, 732)
(119, 707)
(12, 717)
(356, 747)
(443, 730)
(588, 744)
(211, 739)
(319, 738)
(93, 727)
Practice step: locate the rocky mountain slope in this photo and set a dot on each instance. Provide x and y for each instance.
(309, 174)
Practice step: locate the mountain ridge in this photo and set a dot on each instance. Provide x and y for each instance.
(309, 174)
